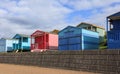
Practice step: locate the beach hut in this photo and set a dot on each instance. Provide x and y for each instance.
(23, 42)
(73, 38)
(42, 41)
(6, 44)
(94, 27)
(113, 31)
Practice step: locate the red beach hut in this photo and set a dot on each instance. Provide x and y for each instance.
(42, 41)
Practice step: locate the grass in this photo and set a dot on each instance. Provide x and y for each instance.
(102, 47)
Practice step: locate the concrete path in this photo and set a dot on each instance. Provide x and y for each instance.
(18, 69)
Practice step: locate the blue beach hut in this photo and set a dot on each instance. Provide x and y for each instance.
(6, 44)
(73, 38)
(113, 31)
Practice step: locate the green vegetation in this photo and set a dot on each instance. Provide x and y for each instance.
(103, 45)
(55, 31)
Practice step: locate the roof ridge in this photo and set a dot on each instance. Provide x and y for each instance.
(24, 35)
(91, 24)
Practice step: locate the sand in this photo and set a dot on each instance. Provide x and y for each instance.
(20, 69)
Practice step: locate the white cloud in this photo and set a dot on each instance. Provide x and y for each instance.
(3, 12)
(100, 18)
(26, 16)
(88, 4)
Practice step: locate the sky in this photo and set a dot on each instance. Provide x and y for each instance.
(27, 16)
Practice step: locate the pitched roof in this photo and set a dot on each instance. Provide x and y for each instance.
(8, 39)
(67, 28)
(75, 28)
(114, 16)
(90, 24)
(37, 32)
(22, 35)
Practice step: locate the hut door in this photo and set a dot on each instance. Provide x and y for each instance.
(36, 45)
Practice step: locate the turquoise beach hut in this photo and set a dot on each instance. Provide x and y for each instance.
(23, 42)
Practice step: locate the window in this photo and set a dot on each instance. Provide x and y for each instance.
(111, 26)
(25, 39)
(85, 27)
(89, 28)
(94, 29)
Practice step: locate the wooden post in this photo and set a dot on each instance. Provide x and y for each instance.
(92, 28)
(45, 41)
(107, 24)
(15, 44)
(107, 31)
(21, 44)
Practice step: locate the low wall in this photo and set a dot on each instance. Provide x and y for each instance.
(106, 62)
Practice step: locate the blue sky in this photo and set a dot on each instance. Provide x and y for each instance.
(26, 16)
